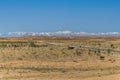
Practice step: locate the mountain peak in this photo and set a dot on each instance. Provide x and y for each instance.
(58, 33)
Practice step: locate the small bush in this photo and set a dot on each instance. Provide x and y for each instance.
(20, 59)
(78, 53)
(32, 44)
(102, 57)
(109, 51)
(112, 46)
(99, 51)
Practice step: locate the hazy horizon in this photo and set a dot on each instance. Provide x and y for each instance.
(59, 33)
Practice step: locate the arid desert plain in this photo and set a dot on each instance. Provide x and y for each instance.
(60, 58)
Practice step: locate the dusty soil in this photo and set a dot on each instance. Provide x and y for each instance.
(94, 59)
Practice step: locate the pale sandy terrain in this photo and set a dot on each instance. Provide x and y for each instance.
(100, 60)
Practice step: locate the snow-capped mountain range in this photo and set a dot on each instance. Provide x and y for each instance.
(58, 33)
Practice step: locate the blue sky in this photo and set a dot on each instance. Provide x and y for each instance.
(59, 15)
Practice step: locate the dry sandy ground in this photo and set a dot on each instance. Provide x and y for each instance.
(57, 62)
(83, 70)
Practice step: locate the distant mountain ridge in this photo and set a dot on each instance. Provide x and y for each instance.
(58, 33)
